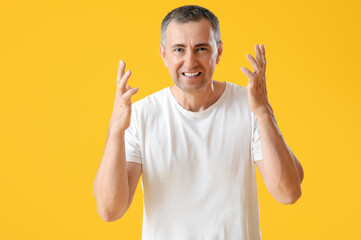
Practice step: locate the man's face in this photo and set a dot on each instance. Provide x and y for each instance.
(191, 54)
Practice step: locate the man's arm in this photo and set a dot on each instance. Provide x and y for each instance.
(281, 171)
(116, 180)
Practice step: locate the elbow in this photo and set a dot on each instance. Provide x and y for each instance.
(111, 216)
(107, 217)
(286, 196)
(290, 199)
(111, 211)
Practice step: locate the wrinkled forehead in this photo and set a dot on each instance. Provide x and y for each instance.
(192, 32)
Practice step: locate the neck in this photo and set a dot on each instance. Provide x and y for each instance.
(199, 101)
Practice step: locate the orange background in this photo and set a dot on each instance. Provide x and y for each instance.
(58, 64)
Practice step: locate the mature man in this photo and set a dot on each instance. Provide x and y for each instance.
(196, 142)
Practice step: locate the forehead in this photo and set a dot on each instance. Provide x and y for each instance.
(189, 32)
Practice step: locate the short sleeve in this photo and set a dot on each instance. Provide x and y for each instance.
(256, 148)
(132, 141)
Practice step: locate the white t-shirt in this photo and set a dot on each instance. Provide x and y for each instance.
(198, 174)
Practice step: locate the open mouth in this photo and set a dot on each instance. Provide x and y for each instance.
(191, 75)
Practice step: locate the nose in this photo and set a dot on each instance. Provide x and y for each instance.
(190, 60)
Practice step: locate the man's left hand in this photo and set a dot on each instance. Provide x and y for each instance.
(256, 88)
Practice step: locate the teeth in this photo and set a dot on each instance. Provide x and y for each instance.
(191, 74)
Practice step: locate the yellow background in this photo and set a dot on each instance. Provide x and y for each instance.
(58, 64)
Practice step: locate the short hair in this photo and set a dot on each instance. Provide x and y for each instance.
(189, 13)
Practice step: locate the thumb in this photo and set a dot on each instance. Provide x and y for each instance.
(247, 72)
(130, 93)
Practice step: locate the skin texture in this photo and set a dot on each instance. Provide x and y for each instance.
(191, 47)
(184, 54)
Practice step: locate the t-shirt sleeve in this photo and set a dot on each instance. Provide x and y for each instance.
(256, 148)
(132, 141)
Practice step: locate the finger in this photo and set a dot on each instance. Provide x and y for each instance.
(127, 96)
(123, 82)
(248, 73)
(128, 87)
(263, 53)
(120, 73)
(259, 56)
(254, 63)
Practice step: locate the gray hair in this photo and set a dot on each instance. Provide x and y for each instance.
(189, 13)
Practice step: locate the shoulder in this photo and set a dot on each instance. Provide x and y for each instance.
(237, 100)
(151, 104)
(237, 89)
(237, 92)
(152, 99)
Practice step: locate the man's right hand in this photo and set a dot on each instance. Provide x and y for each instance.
(120, 119)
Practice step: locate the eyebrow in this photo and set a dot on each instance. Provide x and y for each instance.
(182, 45)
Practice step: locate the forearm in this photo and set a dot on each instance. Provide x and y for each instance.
(111, 188)
(281, 168)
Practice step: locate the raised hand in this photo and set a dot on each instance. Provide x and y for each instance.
(120, 119)
(256, 87)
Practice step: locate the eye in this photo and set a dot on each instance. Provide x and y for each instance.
(202, 49)
(177, 50)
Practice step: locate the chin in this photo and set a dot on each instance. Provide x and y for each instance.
(191, 85)
(190, 88)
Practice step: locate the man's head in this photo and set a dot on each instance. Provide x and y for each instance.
(191, 46)
(190, 13)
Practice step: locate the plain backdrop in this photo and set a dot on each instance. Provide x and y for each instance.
(58, 66)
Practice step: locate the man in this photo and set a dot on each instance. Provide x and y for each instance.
(195, 143)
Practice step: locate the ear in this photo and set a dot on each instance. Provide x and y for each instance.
(162, 54)
(220, 51)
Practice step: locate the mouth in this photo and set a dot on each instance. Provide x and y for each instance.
(192, 75)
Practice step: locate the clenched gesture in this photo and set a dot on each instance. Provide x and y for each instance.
(256, 88)
(120, 119)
